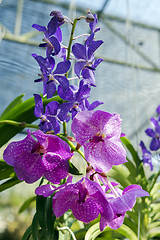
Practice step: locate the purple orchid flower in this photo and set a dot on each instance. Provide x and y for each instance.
(39, 155)
(52, 43)
(48, 121)
(76, 100)
(89, 17)
(49, 77)
(158, 109)
(58, 14)
(158, 112)
(147, 155)
(121, 202)
(85, 198)
(93, 28)
(93, 24)
(92, 106)
(154, 134)
(99, 132)
(85, 61)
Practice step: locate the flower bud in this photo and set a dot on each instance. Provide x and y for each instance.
(57, 14)
(89, 17)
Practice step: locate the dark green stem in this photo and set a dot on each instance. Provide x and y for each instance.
(18, 124)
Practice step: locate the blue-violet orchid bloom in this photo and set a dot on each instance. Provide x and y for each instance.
(48, 120)
(154, 134)
(85, 61)
(147, 155)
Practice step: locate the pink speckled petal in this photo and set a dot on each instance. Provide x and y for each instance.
(29, 167)
(15, 149)
(56, 168)
(83, 127)
(102, 156)
(86, 211)
(63, 202)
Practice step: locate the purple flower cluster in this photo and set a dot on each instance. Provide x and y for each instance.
(75, 98)
(154, 134)
(43, 153)
(87, 200)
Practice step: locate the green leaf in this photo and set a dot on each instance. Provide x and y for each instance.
(27, 233)
(50, 217)
(94, 231)
(6, 171)
(120, 174)
(156, 216)
(132, 170)
(9, 183)
(155, 188)
(23, 112)
(155, 207)
(155, 232)
(73, 170)
(41, 211)
(127, 232)
(131, 149)
(44, 218)
(141, 179)
(154, 224)
(15, 102)
(156, 196)
(133, 215)
(128, 222)
(35, 228)
(26, 204)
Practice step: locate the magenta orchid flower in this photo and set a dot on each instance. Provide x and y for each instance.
(121, 202)
(39, 155)
(99, 132)
(87, 200)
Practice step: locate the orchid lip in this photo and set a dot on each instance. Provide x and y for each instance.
(98, 137)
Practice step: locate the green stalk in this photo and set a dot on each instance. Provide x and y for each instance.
(64, 128)
(71, 38)
(68, 56)
(72, 146)
(18, 124)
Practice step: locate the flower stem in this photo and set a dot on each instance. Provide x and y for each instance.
(18, 124)
(68, 56)
(71, 38)
(64, 128)
(73, 147)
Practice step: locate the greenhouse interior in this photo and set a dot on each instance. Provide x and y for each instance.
(127, 85)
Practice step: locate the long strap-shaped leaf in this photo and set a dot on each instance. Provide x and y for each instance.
(141, 179)
(9, 183)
